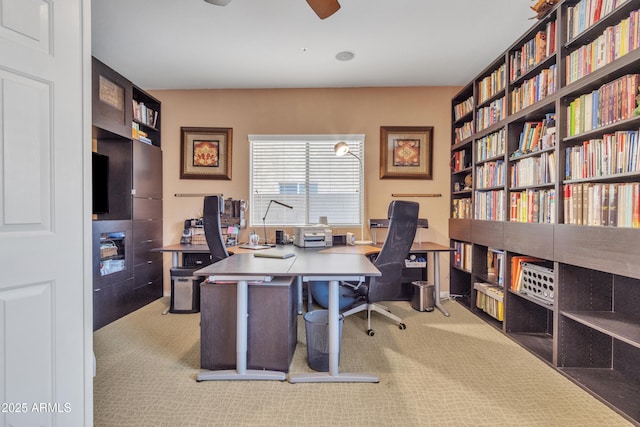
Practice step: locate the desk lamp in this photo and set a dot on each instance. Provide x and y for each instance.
(342, 148)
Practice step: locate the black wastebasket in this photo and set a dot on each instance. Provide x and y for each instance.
(316, 324)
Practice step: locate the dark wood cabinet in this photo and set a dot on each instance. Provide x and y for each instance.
(272, 307)
(590, 328)
(111, 96)
(132, 146)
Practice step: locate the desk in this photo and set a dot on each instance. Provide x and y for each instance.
(307, 264)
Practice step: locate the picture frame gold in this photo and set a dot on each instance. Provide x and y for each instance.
(406, 152)
(205, 153)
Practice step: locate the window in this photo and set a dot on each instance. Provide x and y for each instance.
(303, 171)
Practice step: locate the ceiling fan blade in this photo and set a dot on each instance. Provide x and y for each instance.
(218, 2)
(324, 8)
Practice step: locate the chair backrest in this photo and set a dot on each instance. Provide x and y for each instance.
(213, 208)
(403, 223)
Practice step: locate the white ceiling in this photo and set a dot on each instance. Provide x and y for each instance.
(191, 44)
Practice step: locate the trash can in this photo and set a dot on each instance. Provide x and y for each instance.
(316, 324)
(423, 298)
(185, 290)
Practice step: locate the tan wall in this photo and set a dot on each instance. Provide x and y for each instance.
(308, 111)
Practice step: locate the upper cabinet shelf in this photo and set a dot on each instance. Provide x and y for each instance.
(123, 109)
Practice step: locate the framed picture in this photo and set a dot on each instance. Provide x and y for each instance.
(206, 153)
(406, 152)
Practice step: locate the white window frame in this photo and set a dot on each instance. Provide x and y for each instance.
(346, 173)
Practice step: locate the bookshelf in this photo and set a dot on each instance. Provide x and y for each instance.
(126, 131)
(545, 169)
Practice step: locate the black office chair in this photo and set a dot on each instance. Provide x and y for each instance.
(403, 222)
(213, 208)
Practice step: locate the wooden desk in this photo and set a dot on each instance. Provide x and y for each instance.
(307, 263)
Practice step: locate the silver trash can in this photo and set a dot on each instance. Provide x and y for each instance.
(423, 298)
(316, 325)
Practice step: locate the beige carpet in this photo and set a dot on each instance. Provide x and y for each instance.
(440, 371)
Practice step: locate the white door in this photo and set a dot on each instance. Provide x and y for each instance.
(45, 213)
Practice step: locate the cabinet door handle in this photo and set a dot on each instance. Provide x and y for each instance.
(148, 241)
(149, 262)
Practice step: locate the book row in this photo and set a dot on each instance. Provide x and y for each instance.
(463, 132)
(464, 108)
(489, 205)
(614, 42)
(537, 135)
(491, 145)
(461, 208)
(533, 52)
(462, 255)
(602, 204)
(534, 206)
(586, 13)
(460, 161)
(539, 170)
(490, 174)
(144, 114)
(610, 103)
(612, 154)
(490, 115)
(492, 84)
(534, 89)
(490, 299)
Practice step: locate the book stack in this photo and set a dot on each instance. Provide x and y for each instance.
(491, 114)
(534, 89)
(492, 84)
(490, 174)
(490, 299)
(586, 13)
(611, 103)
(463, 132)
(612, 154)
(462, 255)
(144, 114)
(462, 109)
(489, 205)
(461, 209)
(615, 42)
(539, 170)
(602, 204)
(491, 145)
(535, 206)
(533, 52)
(460, 161)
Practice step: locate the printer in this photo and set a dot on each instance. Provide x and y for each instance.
(312, 236)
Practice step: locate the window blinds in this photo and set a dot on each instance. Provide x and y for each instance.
(303, 171)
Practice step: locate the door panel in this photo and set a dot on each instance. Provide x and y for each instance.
(45, 212)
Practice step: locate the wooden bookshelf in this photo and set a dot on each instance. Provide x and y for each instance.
(135, 193)
(556, 109)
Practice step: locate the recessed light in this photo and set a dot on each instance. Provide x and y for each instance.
(345, 56)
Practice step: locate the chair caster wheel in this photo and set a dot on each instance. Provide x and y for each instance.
(370, 332)
(402, 326)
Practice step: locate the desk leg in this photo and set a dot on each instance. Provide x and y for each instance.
(241, 372)
(334, 349)
(299, 284)
(436, 283)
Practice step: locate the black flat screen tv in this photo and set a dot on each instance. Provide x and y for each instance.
(100, 183)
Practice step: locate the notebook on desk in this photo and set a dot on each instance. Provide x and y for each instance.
(249, 246)
(274, 254)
